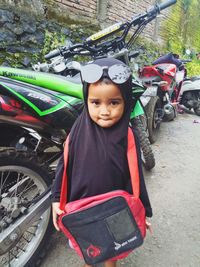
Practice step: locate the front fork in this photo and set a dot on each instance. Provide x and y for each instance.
(138, 110)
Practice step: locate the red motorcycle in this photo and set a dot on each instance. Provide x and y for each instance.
(165, 77)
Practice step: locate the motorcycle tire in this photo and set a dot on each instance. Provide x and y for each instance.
(146, 150)
(197, 110)
(24, 177)
(153, 118)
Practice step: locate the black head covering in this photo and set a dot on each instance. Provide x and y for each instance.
(97, 156)
(125, 88)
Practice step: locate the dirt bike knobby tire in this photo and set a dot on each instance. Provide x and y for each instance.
(153, 129)
(28, 160)
(146, 150)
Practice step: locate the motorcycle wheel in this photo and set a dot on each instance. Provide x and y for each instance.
(23, 177)
(146, 150)
(197, 109)
(154, 120)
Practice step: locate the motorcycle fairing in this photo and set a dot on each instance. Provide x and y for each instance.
(38, 99)
(165, 72)
(168, 69)
(13, 113)
(38, 106)
(58, 83)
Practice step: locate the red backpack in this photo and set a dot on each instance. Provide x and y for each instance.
(107, 226)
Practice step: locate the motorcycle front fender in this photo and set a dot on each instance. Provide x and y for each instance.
(138, 110)
(151, 91)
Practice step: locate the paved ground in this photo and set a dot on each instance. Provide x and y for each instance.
(174, 189)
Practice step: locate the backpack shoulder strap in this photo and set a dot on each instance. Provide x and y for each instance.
(63, 194)
(133, 164)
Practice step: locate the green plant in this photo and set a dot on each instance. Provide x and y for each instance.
(52, 40)
(181, 29)
(193, 68)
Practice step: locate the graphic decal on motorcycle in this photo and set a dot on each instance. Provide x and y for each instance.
(104, 32)
(50, 81)
(43, 104)
(14, 74)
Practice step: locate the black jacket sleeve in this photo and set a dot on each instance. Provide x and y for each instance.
(56, 187)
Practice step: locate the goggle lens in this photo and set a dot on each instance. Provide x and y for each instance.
(91, 73)
(119, 73)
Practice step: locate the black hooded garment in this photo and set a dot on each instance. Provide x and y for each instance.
(98, 156)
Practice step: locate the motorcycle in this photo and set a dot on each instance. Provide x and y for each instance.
(178, 89)
(189, 95)
(37, 120)
(63, 64)
(166, 75)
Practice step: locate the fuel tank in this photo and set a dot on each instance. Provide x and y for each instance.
(66, 85)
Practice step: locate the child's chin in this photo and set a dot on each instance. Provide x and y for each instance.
(106, 124)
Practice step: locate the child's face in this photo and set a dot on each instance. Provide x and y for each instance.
(105, 104)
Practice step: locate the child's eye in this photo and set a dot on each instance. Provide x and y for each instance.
(95, 102)
(114, 102)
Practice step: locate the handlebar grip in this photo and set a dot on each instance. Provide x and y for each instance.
(166, 4)
(186, 60)
(53, 53)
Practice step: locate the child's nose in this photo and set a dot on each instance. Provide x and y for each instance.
(104, 110)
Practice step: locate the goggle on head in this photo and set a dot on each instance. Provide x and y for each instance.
(117, 73)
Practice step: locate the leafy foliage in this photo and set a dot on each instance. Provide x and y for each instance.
(181, 30)
(193, 68)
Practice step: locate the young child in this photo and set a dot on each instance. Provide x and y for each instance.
(98, 140)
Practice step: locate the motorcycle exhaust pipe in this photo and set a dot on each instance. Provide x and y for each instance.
(168, 108)
(169, 112)
(11, 235)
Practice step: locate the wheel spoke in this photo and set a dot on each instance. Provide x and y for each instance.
(25, 177)
(2, 183)
(25, 190)
(18, 178)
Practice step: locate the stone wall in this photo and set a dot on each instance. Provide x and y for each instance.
(29, 28)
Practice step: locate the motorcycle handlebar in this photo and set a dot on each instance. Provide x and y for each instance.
(166, 4)
(53, 53)
(184, 61)
(77, 48)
